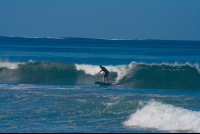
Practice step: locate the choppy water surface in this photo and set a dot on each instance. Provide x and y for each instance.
(47, 85)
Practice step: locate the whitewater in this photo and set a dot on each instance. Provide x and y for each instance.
(48, 85)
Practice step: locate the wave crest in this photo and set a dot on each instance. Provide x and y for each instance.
(165, 117)
(174, 76)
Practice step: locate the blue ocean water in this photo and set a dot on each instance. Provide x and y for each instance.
(48, 85)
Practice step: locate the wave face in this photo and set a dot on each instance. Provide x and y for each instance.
(164, 76)
(39, 72)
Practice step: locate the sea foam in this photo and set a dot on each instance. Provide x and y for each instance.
(10, 65)
(165, 117)
(127, 70)
(121, 70)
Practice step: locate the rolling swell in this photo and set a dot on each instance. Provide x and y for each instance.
(164, 76)
(41, 73)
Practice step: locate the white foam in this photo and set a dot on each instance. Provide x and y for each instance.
(121, 70)
(165, 117)
(125, 70)
(88, 69)
(196, 65)
(120, 39)
(45, 37)
(10, 65)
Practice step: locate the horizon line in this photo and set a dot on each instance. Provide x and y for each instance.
(92, 38)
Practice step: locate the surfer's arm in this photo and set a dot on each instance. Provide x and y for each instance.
(100, 71)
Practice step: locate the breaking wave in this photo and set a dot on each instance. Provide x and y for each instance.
(165, 117)
(165, 76)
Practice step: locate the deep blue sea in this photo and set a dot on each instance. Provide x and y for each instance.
(48, 85)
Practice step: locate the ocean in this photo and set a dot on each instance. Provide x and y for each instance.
(48, 85)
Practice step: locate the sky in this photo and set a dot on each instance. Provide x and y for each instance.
(110, 19)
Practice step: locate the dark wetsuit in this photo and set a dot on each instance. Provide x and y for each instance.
(105, 71)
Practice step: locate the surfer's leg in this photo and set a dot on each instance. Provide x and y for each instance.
(107, 79)
(103, 79)
(106, 75)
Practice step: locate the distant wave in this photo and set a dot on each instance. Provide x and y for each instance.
(67, 38)
(125, 39)
(34, 37)
(90, 38)
(164, 76)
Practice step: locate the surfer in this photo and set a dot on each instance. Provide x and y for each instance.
(106, 73)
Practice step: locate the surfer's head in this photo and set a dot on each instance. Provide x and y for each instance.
(100, 66)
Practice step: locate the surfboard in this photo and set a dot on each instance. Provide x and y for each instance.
(102, 83)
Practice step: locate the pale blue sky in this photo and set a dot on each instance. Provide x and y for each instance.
(111, 19)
